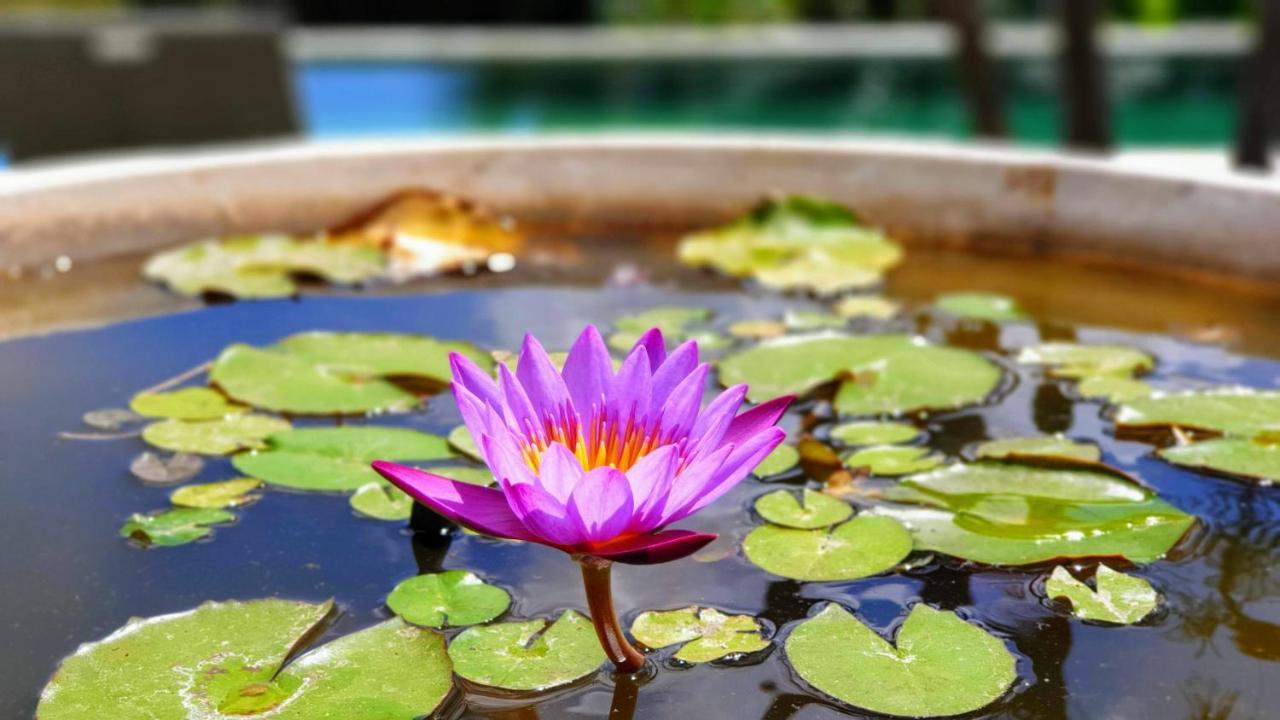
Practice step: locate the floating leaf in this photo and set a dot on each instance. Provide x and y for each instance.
(1004, 513)
(795, 243)
(1239, 457)
(757, 329)
(225, 659)
(1072, 360)
(1113, 389)
(938, 666)
(893, 460)
(381, 501)
(812, 320)
(1050, 446)
(882, 373)
(221, 494)
(465, 473)
(460, 439)
(707, 633)
(866, 545)
(980, 306)
(452, 597)
(1121, 599)
(336, 459)
(810, 511)
(1237, 411)
(165, 471)
(213, 437)
(869, 306)
(674, 323)
(874, 433)
(782, 459)
(194, 403)
(509, 656)
(110, 418)
(179, 526)
(261, 266)
(322, 373)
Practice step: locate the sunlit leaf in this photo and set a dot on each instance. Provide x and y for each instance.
(460, 439)
(674, 322)
(874, 433)
(153, 468)
(381, 501)
(809, 511)
(336, 459)
(514, 656)
(222, 494)
(869, 306)
(980, 306)
(470, 474)
(938, 665)
(1119, 598)
(803, 320)
(1237, 411)
(1050, 446)
(452, 597)
(893, 460)
(213, 437)
(193, 403)
(1073, 360)
(866, 545)
(783, 458)
(1113, 389)
(178, 526)
(757, 329)
(1248, 458)
(706, 633)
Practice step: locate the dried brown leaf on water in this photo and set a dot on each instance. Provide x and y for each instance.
(175, 468)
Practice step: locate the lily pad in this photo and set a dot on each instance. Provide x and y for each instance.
(783, 458)
(674, 323)
(810, 511)
(707, 633)
(194, 403)
(381, 501)
(469, 474)
(1235, 411)
(222, 494)
(980, 306)
(757, 329)
(152, 468)
(514, 656)
(178, 526)
(1073, 360)
(110, 418)
(866, 545)
(1113, 389)
(1119, 598)
(881, 373)
(460, 439)
(225, 659)
(320, 373)
(1005, 513)
(868, 306)
(213, 437)
(938, 666)
(261, 266)
(336, 459)
(893, 460)
(1249, 458)
(452, 597)
(802, 320)
(874, 433)
(1047, 446)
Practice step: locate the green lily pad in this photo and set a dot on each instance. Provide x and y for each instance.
(194, 403)
(874, 433)
(179, 526)
(469, 474)
(261, 266)
(225, 659)
(893, 460)
(319, 373)
(757, 329)
(381, 501)
(1048, 446)
(222, 494)
(1247, 458)
(460, 439)
(707, 633)
(1234, 411)
(980, 306)
(674, 323)
(866, 545)
(812, 320)
(1113, 389)
(938, 666)
(336, 459)
(514, 656)
(1005, 513)
(213, 437)
(883, 373)
(795, 243)
(1073, 360)
(810, 511)
(452, 597)
(783, 458)
(868, 306)
(1119, 598)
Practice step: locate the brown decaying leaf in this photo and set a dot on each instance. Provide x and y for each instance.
(153, 468)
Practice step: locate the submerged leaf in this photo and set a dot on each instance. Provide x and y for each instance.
(1073, 360)
(507, 655)
(336, 459)
(152, 468)
(1238, 457)
(194, 403)
(178, 526)
(381, 501)
(980, 306)
(707, 633)
(110, 418)
(939, 665)
(866, 545)
(452, 597)
(1047, 446)
(874, 433)
(213, 437)
(782, 507)
(893, 460)
(222, 494)
(1119, 598)
(1236, 411)
(782, 459)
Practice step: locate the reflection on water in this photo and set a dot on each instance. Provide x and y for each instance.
(1209, 653)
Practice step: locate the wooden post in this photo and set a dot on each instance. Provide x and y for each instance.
(978, 77)
(1085, 109)
(1260, 91)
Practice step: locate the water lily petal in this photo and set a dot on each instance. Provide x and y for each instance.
(654, 345)
(671, 373)
(601, 504)
(680, 410)
(545, 517)
(756, 419)
(588, 372)
(738, 465)
(505, 461)
(519, 410)
(690, 483)
(651, 478)
(477, 381)
(655, 548)
(714, 420)
(541, 381)
(482, 509)
(628, 396)
(560, 471)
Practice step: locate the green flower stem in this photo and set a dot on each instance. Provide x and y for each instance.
(596, 580)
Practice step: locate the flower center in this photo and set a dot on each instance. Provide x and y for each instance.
(607, 441)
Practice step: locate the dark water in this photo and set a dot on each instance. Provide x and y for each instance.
(67, 577)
